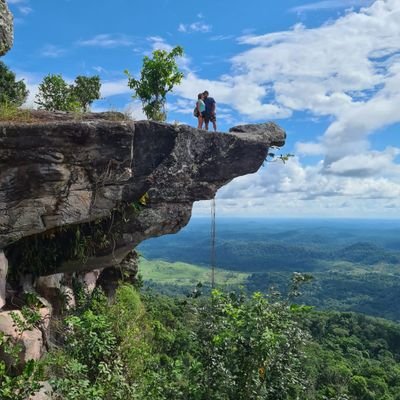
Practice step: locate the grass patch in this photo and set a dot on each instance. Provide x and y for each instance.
(11, 113)
(182, 274)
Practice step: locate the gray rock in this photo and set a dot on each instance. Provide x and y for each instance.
(6, 28)
(256, 132)
(56, 171)
(31, 341)
(3, 278)
(57, 291)
(45, 393)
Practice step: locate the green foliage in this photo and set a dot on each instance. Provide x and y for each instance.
(16, 382)
(86, 90)
(152, 346)
(12, 92)
(41, 254)
(355, 266)
(10, 112)
(89, 365)
(352, 356)
(158, 77)
(56, 95)
(252, 347)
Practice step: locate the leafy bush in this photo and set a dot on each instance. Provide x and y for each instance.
(19, 382)
(89, 365)
(12, 92)
(151, 346)
(56, 95)
(86, 90)
(158, 77)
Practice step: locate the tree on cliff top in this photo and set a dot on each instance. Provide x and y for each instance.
(11, 91)
(86, 90)
(158, 77)
(56, 95)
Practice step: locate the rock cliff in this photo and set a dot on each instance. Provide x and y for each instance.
(6, 28)
(78, 194)
(135, 180)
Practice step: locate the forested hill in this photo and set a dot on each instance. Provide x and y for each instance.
(353, 356)
(281, 245)
(355, 264)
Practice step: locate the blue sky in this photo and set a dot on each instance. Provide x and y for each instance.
(327, 71)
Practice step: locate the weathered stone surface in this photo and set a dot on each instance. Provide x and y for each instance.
(57, 171)
(89, 280)
(32, 341)
(45, 393)
(256, 132)
(6, 28)
(3, 278)
(57, 290)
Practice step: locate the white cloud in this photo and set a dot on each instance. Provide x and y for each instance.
(221, 37)
(159, 43)
(373, 163)
(116, 87)
(22, 6)
(330, 4)
(242, 95)
(25, 10)
(195, 27)
(309, 149)
(107, 40)
(135, 110)
(348, 70)
(293, 189)
(52, 51)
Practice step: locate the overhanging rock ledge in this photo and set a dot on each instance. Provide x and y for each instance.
(57, 171)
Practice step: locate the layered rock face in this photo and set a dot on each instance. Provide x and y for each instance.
(6, 28)
(77, 194)
(56, 171)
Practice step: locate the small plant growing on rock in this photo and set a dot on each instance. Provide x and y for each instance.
(159, 75)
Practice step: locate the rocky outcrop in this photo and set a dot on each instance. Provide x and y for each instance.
(6, 28)
(3, 276)
(32, 340)
(57, 172)
(78, 194)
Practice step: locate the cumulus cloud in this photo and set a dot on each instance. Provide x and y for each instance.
(293, 189)
(115, 87)
(348, 70)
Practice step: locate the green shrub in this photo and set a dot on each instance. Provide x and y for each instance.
(86, 90)
(12, 92)
(158, 77)
(19, 382)
(56, 95)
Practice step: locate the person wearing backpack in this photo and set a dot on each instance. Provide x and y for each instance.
(210, 111)
(200, 110)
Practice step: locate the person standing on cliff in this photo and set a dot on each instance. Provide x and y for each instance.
(210, 114)
(201, 110)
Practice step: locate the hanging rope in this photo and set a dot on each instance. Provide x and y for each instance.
(213, 253)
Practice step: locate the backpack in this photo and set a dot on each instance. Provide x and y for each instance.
(196, 112)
